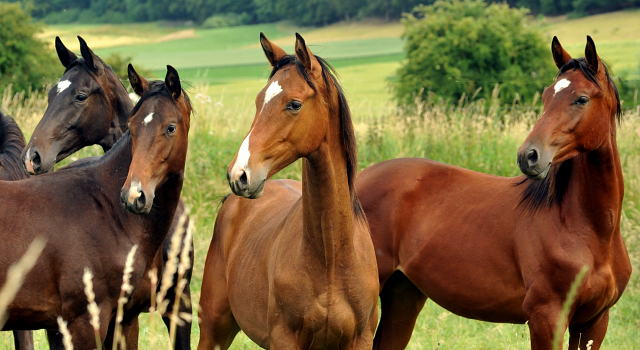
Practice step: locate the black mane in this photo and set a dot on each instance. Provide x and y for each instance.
(12, 144)
(550, 191)
(348, 134)
(545, 193)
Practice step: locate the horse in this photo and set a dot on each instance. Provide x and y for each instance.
(292, 264)
(507, 249)
(91, 216)
(11, 145)
(89, 105)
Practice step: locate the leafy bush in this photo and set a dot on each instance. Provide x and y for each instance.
(25, 62)
(458, 48)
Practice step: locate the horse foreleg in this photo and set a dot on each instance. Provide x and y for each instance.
(218, 326)
(401, 303)
(543, 320)
(591, 333)
(82, 336)
(55, 339)
(23, 340)
(183, 332)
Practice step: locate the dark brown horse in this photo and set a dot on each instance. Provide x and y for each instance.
(80, 211)
(507, 249)
(88, 106)
(294, 268)
(11, 146)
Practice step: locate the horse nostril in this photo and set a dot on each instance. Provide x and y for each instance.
(36, 160)
(243, 182)
(532, 157)
(141, 201)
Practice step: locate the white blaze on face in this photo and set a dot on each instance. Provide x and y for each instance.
(148, 119)
(242, 160)
(561, 85)
(273, 90)
(243, 154)
(135, 191)
(63, 85)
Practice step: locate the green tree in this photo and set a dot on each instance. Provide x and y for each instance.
(455, 47)
(25, 61)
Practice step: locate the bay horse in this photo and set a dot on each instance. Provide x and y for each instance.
(89, 105)
(292, 264)
(507, 249)
(92, 214)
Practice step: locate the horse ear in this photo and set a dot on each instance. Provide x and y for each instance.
(307, 58)
(138, 83)
(591, 55)
(65, 55)
(273, 52)
(172, 82)
(92, 60)
(560, 56)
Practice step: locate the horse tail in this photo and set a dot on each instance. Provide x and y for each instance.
(11, 145)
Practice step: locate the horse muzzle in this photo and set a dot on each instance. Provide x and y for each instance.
(136, 200)
(534, 163)
(34, 163)
(239, 181)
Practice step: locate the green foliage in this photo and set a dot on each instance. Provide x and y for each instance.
(459, 48)
(311, 12)
(25, 62)
(226, 20)
(576, 8)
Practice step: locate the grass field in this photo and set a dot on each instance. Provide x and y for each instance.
(226, 68)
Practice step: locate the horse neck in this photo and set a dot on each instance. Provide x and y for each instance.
(121, 106)
(598, 185)
(113, 169)
(328, 218)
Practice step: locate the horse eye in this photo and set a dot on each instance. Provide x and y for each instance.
(171, 129)
(582, 100)
(294, 105)
(81, 97)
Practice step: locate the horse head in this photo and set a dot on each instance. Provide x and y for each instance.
(87, 106)
(292, 118)
(159, 127)
(579, 113)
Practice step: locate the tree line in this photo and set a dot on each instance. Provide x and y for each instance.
(235, 12)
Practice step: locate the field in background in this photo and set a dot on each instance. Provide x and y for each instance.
(226, 68)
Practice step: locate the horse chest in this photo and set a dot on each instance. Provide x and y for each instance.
(320, 314)
(322, 322)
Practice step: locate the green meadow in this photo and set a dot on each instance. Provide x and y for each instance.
(224, 69)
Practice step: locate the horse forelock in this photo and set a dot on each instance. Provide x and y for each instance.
(12, 144)
(158, 88)
(348, 135)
